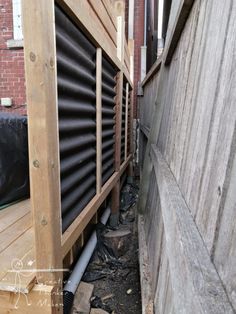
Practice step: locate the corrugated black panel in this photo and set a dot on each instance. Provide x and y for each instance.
(76, 62)
(108, 119)
(122, 157)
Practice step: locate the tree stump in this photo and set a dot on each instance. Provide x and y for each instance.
(118, 240)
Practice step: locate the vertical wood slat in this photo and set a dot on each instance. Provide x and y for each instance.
(126, 119)
(120, 49)
(41, 82)
(99, 118)
(119, 95)
(120, 9)
(119, 91)
(131, 135)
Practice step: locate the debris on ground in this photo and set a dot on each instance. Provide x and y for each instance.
(96, 302)
(129, 291)
(129, 196)
(114, 267)
(98, 311)
(82, 298)
(108, 296)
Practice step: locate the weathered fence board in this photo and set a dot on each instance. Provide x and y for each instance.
(191, 119)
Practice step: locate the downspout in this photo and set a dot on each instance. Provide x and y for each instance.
(144, 47)
(80, 267)
(145, 24)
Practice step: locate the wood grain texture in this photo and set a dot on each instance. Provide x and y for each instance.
(41, 90)
(99, 23)
(180, 20)
(196, 284)
(194, 129)
(126, 119)
(99, 119)
(40, 300)
(145, 274)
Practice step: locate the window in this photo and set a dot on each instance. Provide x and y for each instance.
(17, 23)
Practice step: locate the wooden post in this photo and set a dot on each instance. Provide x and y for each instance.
(119, 5)
(99, 118)
(126, 119)
(41, 82)
(119, 91)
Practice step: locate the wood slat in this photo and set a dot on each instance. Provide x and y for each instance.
(99, 119)
(126, 55)
(40, 300)
(145, 275)
(154, 69)
(11, 214)
(105, 19)
(14, 231)
(23, 280)
(126, 119)
(111, 11)
(84, 15)
(118, 117)
(176, 31)
(196, 284)
(22, 251)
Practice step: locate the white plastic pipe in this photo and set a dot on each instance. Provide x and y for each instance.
(84, 259)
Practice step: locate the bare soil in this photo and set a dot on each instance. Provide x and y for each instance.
(118, 292)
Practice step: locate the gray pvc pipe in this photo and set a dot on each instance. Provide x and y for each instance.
(84, 258)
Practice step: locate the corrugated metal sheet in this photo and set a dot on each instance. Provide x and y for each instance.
(108, 119)
(76, 62)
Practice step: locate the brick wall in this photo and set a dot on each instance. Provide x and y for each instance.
(12, 79)
(138, 42)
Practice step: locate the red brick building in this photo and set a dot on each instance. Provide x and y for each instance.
(12, 81)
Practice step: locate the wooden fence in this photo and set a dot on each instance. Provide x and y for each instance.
(187, 232)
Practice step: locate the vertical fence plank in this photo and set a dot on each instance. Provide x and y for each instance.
(119, 91)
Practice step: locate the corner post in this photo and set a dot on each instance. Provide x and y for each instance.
(41, 90)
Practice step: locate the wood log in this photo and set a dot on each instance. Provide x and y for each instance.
(118, 240)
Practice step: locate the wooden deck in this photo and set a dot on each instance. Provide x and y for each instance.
(17, 258)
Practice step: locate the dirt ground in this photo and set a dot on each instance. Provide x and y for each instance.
(118, 291)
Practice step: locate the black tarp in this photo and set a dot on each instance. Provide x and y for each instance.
(14, 162)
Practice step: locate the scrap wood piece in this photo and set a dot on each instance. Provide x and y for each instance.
(98, 311)
(82, 298)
